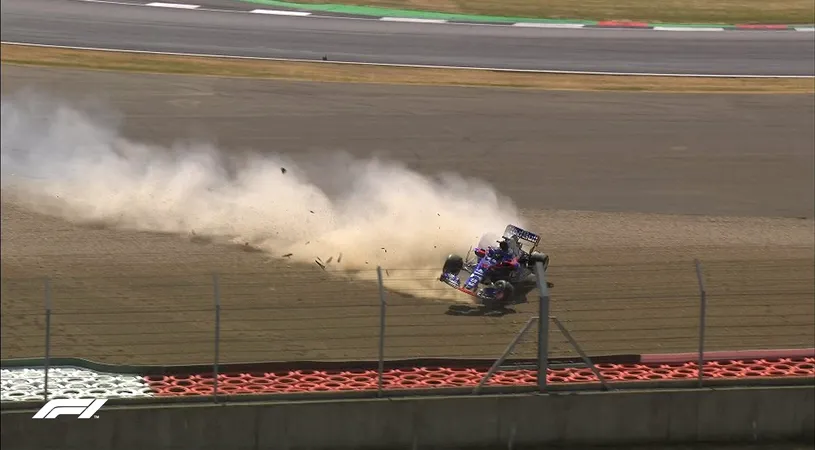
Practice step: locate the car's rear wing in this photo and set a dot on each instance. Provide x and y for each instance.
(513, 231)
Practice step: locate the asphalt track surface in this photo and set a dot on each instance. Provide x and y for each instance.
(123, 26)
(724, 166)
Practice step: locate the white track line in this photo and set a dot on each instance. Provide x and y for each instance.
(415, 66)
(806, 28)
(658, 28)
(411, 19)
(174, 5)
(275, 12)
(548, 25)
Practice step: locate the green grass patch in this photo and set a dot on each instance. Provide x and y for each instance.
(666, 11)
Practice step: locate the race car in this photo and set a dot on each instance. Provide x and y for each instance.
(498, 275)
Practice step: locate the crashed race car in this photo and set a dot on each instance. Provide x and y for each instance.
(498, 275)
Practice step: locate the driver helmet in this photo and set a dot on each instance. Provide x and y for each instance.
(503, 245)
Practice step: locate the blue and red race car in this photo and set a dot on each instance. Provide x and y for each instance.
(498, 275)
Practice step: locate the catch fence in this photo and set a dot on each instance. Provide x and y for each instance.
(229, 318)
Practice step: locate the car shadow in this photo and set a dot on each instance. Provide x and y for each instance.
(477, 311)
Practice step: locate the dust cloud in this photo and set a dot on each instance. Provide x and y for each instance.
(348, 214)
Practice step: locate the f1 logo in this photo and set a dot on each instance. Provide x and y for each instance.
(85, 408)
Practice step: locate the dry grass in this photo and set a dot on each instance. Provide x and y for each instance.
(132, 297)
(332, 72)
(121, 296)
(695, 11)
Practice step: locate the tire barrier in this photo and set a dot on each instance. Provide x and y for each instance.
(797, 353)
(300, 381)
(27, 384)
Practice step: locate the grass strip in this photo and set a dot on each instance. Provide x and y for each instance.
(655, 11)
(349, 73)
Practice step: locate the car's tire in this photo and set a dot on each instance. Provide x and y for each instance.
(526, 285)
(536, 257)
(453, 264)
(507, 289)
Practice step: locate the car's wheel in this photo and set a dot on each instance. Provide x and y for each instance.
(453, 264)
(526, 285)
(505, 289)
(536, 257)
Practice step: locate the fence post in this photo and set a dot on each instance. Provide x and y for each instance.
(381, 368)
(47, 286)
(586, 360)
(702, 314)
(497, 364)
(217, 294)
(543, 327)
